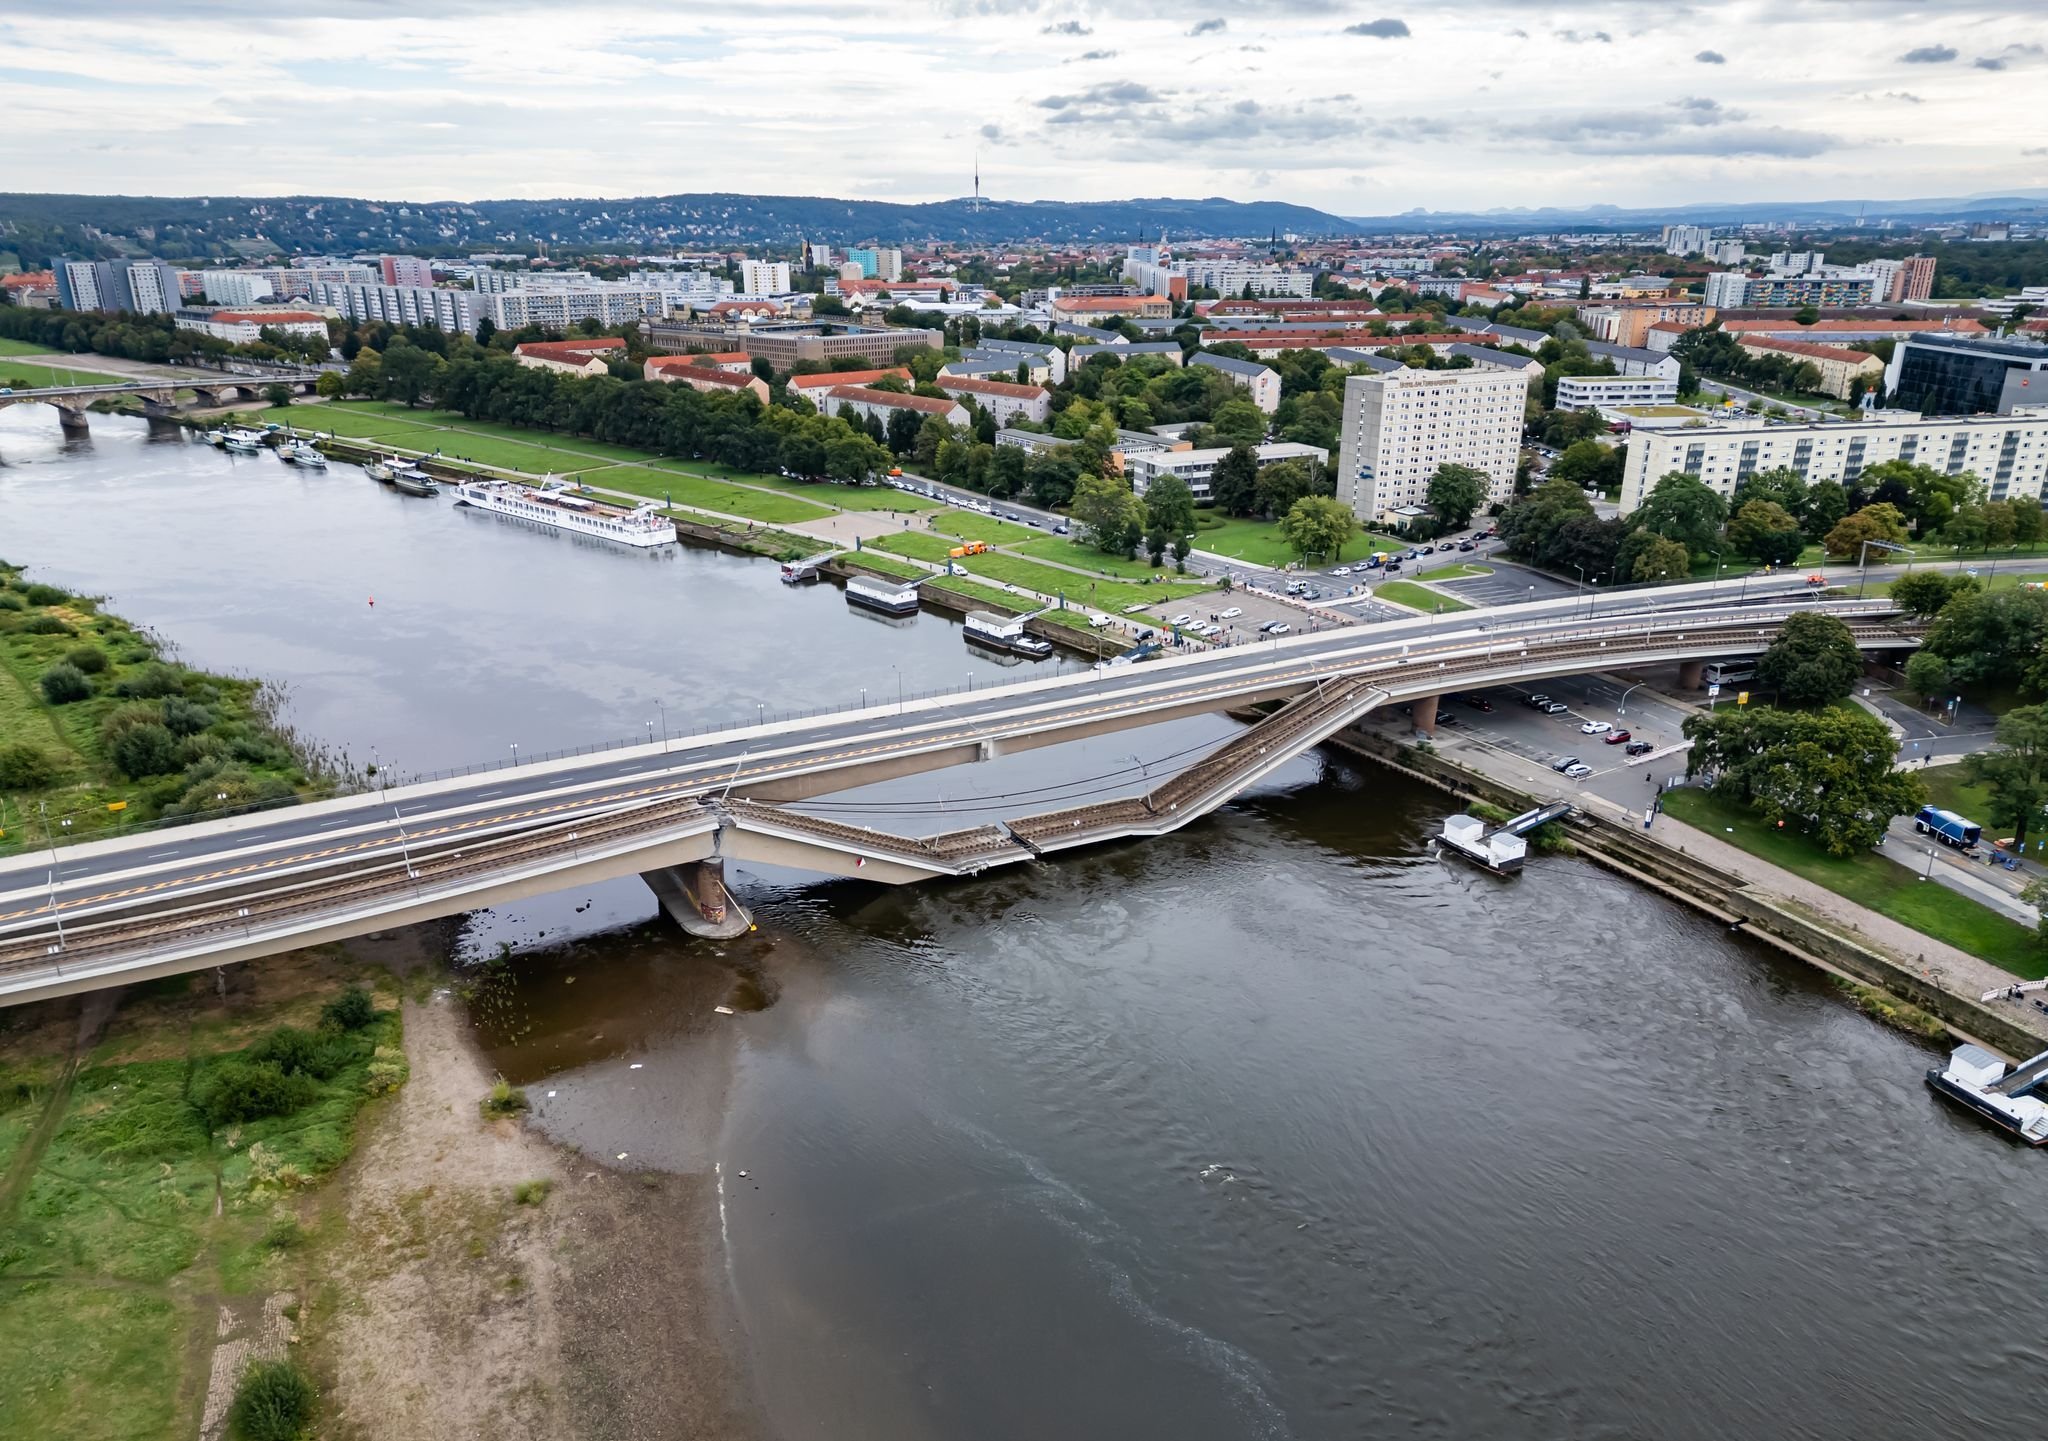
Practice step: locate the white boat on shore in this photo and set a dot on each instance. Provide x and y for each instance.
(1977, 1080)
(242, 442)
(303, 452)
(380, 469)
(553, 503)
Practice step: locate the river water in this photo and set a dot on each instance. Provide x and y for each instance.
(1278, 1127)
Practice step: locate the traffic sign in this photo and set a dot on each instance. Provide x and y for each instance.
(1714, 689)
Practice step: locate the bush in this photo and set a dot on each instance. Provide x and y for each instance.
(47, 595)
(10, 601)
(151, 681)
(185, 718)
(46, 625)
(350, 1011)
(144, 750)
(296, 1052)
(26, 768)
(284, 1233)
(88, 658)
(273, 1403)
(505, 1099)
(62, 684)
(386, 1073)
(532, 1193)
(238, 1089)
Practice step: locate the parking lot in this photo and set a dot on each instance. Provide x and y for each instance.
(1257, 609)
(1513, 729)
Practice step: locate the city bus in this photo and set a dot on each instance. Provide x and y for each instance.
(1729, 672)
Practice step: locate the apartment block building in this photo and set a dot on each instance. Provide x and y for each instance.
(405, 270)
(1196, 467)
(1006, 400)
(1261, 382)
(1629, 325)
(1401, 424)
(764, 277)
(1601, 392)
(1840, 367)
(455, 311)
(784, 343)
(2007, 452)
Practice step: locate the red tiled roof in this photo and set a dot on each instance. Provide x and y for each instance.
(929, 404)
(1824, 327)
(29, 280)
(590, 345)
(1106, 302)
(973, 385)
(832, 379)
(698, 362)
(1800, 347)
(569, 351)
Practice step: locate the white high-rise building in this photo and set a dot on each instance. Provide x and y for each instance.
(1401, 424)
(1727, 289)
(1725, 252)
(765, 277)
(1686, 239)
(236, 287)
(455, 311)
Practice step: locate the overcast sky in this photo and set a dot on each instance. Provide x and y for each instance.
(1359, 108)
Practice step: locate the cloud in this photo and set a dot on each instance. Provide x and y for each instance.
(1929, 55)
(1380, 29)
(2037, 150)
(2007, 56)
(1696, 125)
(1585, 37)
(1091, 55)
(992, 133)
(1906, 95)
(1067, 27)
(1711, 57)
(1210, 27)
(1114, 94)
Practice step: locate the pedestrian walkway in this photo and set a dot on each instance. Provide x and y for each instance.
(1941, 963)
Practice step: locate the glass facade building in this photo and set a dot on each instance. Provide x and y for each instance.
(1968, 377)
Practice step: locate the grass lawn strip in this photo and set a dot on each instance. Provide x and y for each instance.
(1415, 597)
(1062, 551)
(1258, 542)
(22, 375)
(697, 491)
(970, 526)
(21, 347)
(1455, 571)
(1078, 589)
(1870, 880)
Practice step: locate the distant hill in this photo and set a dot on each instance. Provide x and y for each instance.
(194, 227)
(2015, 205)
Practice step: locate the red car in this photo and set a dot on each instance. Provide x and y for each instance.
(1615, 738)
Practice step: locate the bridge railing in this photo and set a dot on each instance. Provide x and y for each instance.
(60, 830)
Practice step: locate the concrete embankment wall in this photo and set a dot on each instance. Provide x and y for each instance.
(1720, 894)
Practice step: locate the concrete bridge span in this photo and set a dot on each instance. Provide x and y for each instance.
(81, 917)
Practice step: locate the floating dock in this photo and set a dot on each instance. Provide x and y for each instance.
(1501, 850)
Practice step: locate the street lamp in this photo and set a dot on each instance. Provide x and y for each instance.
(899, 688)
(515, 753)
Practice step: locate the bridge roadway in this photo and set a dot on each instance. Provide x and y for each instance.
(177, 899)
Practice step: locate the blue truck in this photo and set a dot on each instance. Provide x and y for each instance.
(1948, 828)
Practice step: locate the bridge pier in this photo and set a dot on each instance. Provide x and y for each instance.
(695, 897)
(73, 421)
(1692, 674)
(1423, 708)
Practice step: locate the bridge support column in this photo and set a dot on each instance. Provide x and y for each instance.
(695, 897)
(72, 420)
(1424, 710)
(1691, 674)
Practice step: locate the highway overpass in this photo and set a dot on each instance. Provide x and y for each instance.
(177, 899)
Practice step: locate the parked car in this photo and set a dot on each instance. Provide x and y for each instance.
(1564, 763)
(1578, 771)
(1467, 545)
(1233, 613)
(1278, 627)
(1637, 748)
(1478, 702)
(1097, 622)
(1595, 728)
(1445, 718)
(1537, 700)
(1553, 707)
(1183, 619)
(1616, 738)
(1062, 529)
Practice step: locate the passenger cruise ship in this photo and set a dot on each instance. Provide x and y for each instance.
(553, 503)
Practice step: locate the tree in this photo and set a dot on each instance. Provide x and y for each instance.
(1825, 505)
(1282, 483)
(2016, 769)
(902, 429)
(1455, 491)
(1924, 593)
(64, 683)
(1826, 773)
(1318, 525)
(1683, 508)
(1589, 465)
(1233, 485)
(1879, 522)
(408, 372)
(1764, 530)
(1782, 485)
(1928, 674)
(1992, 637)
(1114, 517)
(1169, 514)
(330, 385)
(1239, 422)
(1660, 559)
(24, 767)
(1529, 526)
(1813, 660)
(278, 393)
